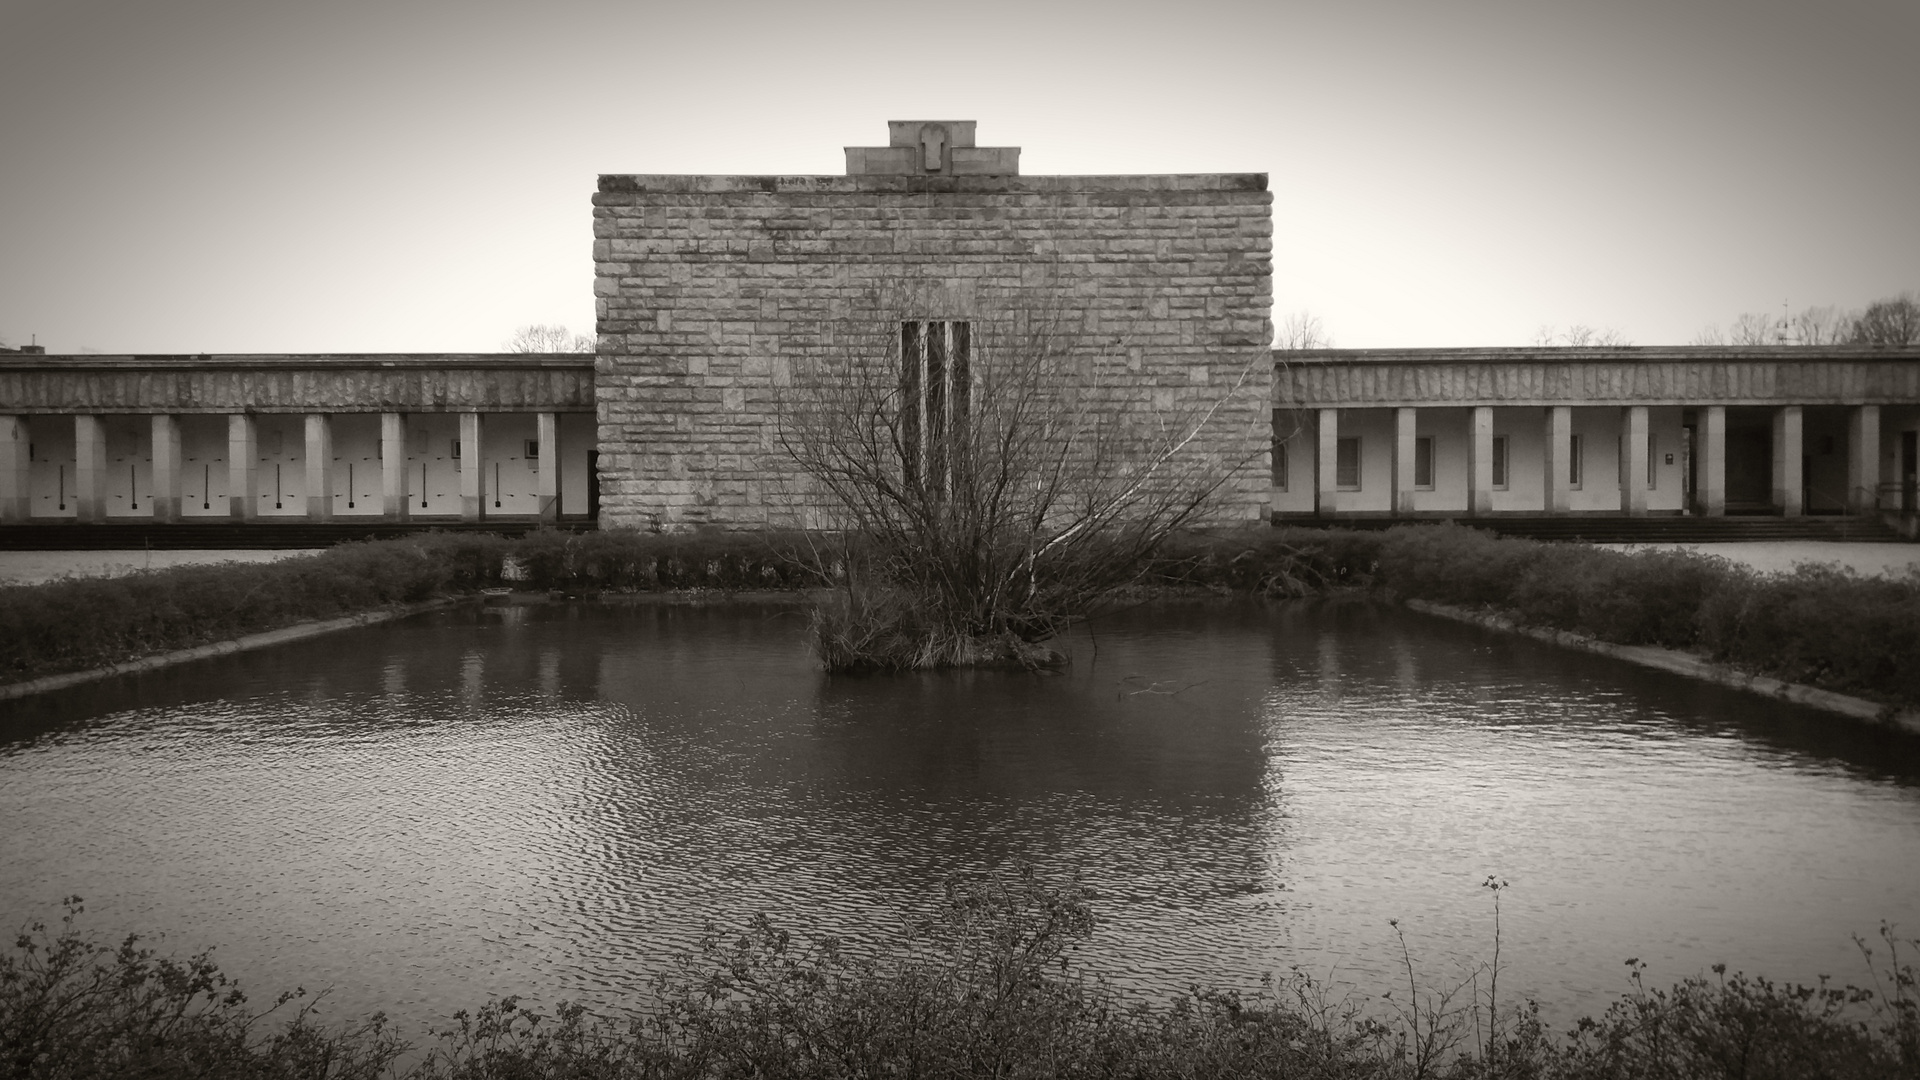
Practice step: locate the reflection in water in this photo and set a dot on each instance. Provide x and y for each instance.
(556, 799)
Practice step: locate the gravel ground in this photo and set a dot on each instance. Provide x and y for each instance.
(1781, 555)
(34, 567)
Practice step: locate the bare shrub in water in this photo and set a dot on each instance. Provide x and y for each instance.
(989, 484)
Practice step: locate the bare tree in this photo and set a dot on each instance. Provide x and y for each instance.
(1580, 336)
(1822, 325)
(1756, 328)
(988, 487)
(1300, 331)
(1893, 321)
(540, 338)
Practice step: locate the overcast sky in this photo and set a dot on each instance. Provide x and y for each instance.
(367, 175)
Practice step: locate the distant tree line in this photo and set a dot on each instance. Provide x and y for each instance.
(1892, 321)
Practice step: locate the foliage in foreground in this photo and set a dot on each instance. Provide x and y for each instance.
(988, 987)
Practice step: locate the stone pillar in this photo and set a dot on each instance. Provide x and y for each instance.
(1480, 461)
(89, 469)
(243, 467)
(1863, 459)
(319, 463)
(1712, 496)
(1404, 443)
(166, 468)
(548, 482)
(473, 469)
(393, 466)
(1786, 460)
(1633, 461)
(1326, 474)
(16, 470)
(1559, 452)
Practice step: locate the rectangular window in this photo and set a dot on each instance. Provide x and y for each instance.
(1500, 463)
(1575, 453)
(532, 450)
(1423, 464)
(455, 451)
(936, 393)
(1279, 465)
(1653, 459)
(1346, 465)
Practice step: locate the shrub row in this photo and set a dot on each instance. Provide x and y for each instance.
(1817, 625)
(987, 987)
(78, 623)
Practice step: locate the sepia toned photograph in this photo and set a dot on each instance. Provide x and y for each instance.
(1250, 540)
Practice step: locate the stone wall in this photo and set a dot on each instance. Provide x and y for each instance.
(713, 291)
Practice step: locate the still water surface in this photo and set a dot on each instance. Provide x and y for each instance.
(554, 800)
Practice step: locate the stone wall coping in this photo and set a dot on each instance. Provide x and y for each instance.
(670, 183)
(81, 363)
(1646, 354)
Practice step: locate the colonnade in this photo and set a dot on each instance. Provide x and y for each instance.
(320, 471)
(1691, 454)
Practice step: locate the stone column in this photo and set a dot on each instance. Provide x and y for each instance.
(1712, 495)
(1863, 459)
(166, 468)
(1404, 441)
(319, 463)
(16, 470)
(243, 467)
(1326, 475)
(473, 469)
(1480, 461)
(89, 469)
(1633, 461)
(1559, 451)
(1786, 460)
(548, 482)
(393, 466)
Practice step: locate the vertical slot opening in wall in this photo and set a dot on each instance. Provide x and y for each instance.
(936, 399)
(1500, 463)
(1423, 463)
(1575, 455)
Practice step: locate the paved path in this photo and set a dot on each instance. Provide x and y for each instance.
(1781, 555)
(34, 567)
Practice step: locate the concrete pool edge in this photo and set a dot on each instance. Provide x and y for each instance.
(1680, 663)
(246, 643)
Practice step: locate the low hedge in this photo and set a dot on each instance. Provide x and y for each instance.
(77, 623)
(1817, 625)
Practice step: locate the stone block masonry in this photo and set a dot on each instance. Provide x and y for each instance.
(712, 290)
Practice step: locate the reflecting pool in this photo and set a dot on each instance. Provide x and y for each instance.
(555, 799)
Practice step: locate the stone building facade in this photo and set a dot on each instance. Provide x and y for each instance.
(714, 290)
(715, 293)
